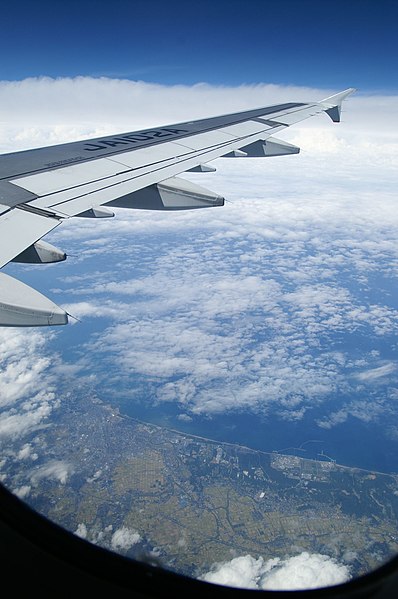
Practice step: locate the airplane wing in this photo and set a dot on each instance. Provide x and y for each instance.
(41, 188)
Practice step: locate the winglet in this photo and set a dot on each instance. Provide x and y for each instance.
(332, 105)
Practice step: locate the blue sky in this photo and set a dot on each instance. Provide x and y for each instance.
(295, 42)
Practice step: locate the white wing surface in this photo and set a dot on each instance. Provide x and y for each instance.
(40, 188)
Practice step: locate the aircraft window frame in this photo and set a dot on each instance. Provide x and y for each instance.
(43, 556)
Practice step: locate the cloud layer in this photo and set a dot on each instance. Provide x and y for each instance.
(303, 571)
(256, 306)
(27, 383)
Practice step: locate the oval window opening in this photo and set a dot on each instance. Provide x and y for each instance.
(225, 406)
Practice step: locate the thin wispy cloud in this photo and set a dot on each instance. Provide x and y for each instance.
(377, 373)
(56, 469)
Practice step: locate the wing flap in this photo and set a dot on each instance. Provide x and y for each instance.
(247, 128)
(41, 187)
(49, 182)
(57, 187)
(80, 197)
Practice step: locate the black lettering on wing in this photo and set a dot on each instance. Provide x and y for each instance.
(94, 147)
(103, 144)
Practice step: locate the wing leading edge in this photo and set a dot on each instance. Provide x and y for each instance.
(40, 188)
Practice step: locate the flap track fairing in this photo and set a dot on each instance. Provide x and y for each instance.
(23, 306)
(40, 252)
(264, 148)
(170, 194)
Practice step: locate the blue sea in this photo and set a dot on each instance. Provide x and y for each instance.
(353, 443)
(371, 445)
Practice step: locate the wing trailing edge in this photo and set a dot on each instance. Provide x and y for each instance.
(41, 188)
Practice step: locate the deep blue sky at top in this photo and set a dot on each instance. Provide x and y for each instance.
(332, 44)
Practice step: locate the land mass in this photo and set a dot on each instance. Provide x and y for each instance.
(193, 502)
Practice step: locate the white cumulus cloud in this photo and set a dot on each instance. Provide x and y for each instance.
(27, 382)
(81, 530)
(124, 538)
(230, 308)
(55, 469)
(304, 571)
